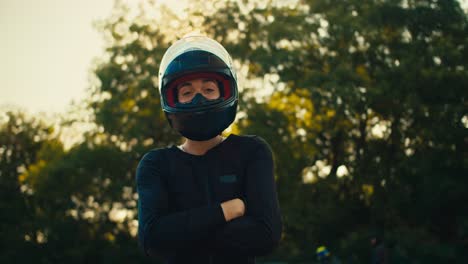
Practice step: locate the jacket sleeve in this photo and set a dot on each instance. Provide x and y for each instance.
(159, 231)
(259, 230)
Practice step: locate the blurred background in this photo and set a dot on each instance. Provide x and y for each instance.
(362, 101)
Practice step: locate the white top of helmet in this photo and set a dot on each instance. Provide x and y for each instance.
(193, 42)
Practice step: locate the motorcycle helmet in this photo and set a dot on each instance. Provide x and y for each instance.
(190, 58)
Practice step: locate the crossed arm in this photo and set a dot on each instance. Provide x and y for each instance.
(232, 227)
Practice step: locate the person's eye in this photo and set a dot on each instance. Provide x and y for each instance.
(185, 92)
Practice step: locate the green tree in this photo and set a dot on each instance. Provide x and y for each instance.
(21, 138)
(389, 75)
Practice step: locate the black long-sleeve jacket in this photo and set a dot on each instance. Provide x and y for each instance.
(180, 195)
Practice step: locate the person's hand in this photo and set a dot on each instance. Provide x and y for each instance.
(233, 208)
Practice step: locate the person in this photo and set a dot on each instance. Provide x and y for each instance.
(324, 256)
(212, 199)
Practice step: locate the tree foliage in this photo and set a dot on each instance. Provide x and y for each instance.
(363, 103)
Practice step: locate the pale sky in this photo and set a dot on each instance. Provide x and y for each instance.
(47, 48)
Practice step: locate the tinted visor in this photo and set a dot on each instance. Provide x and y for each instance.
(194, 59)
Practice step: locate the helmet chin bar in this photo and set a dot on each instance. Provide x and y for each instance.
(201, 126)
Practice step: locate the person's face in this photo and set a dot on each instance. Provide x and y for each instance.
(186, 91)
